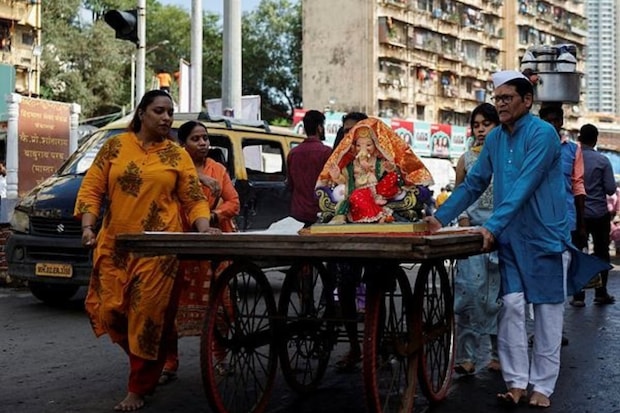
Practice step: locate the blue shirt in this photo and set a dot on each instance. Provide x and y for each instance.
(598, 178)
(569, 152)
(529, 219)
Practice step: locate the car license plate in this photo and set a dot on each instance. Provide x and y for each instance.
(47, 269)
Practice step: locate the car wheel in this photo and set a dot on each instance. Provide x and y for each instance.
(53, 294)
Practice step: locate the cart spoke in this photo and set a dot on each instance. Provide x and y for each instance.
(306, 308)
(238, 354)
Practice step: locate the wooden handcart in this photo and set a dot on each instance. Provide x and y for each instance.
(408, 326)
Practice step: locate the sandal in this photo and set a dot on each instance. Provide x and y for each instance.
(604, 300)
(494, 365)
(348, 362)
(467, 368)
(167, 376)
(224, 369)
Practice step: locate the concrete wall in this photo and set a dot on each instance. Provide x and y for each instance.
(339, 38)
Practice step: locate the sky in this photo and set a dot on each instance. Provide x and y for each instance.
(216, 6)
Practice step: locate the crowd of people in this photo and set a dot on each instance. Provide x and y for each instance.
(534, 198)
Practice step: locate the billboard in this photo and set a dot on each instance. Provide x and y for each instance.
(425, 138)
(43, 135)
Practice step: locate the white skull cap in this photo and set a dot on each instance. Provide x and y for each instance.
(499, 78)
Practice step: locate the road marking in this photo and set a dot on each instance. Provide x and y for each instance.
(13, 294)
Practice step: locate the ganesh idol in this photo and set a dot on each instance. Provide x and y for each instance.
(370, 171)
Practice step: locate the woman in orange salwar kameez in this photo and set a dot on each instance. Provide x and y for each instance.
(146, 180)
(199, 275)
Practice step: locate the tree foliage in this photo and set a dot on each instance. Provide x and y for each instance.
(82, 62)
(272, 53)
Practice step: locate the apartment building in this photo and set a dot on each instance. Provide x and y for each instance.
(603, 57)
(20, 44)
(427, 60)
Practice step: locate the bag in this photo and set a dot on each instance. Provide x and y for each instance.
(596, 281)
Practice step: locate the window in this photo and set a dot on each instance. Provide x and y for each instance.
(419, 112)
(264, 160)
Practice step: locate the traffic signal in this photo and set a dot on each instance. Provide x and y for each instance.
(125, 23)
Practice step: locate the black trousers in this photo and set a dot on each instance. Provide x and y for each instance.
(599, 228)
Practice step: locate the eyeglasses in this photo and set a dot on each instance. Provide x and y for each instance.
(503, 99)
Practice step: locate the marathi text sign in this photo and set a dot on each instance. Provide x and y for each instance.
(43, 134)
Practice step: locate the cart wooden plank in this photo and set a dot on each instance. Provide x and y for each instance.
(397, 246)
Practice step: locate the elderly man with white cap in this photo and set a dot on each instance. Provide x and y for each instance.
(530, 230)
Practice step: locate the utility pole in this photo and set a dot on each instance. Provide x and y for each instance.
(195, 91)
(231, 61)
(141, 55)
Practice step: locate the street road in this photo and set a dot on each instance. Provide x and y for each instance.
(50, 362)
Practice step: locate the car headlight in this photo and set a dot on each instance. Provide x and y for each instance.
(20, 222)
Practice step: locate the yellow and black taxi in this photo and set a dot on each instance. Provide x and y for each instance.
(44, 247)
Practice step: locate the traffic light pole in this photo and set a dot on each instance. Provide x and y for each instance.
(141, 52)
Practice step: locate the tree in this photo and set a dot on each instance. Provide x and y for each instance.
(83, 63)
(80, 61)
(272, 54)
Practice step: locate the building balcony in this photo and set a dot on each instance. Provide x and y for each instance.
(394, 52)
(472, 34)
(399, 4)
(20, 11)
(450, 30)
(490, 66)
(470, 68)
(452, 56)
(425, 22)
(392, 89)
(579, 31)
(449, 91)
(448, 66)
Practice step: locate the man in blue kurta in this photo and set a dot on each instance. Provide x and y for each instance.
(530, 230)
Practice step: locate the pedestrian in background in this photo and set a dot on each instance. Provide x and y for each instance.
(198, 276)
(164, 80)
(573, 170)
(349, 276)
(304, 163)
(613, 205)
(476, 286)
(599, 182)
(530, 230)
(148, 181)
(348, 121)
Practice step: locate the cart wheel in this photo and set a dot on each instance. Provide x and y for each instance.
(238, 355)
(306, 309)
(433, 289)
(391, 346)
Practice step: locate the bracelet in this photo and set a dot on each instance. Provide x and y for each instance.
(90, 227)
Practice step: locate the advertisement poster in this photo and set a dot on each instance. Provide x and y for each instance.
(404, 129)
(333, 122)
(440, 140)
(458, 141)
(426, 139)
(421, 138)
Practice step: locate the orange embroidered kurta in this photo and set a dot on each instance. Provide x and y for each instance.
(128, 296)
(227, 205)
(198, 275)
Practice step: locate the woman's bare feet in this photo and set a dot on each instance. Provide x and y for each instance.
(539, 400)
(130, 403)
